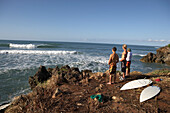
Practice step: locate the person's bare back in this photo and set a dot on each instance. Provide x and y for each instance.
(113, 60)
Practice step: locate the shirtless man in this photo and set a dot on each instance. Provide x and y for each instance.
(123, 60)
(113, 60)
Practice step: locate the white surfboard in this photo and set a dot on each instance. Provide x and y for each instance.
(149, 92)
(136, 84)
(4, 106)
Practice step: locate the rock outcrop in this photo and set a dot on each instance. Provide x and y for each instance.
(64, 74)
(162, 56)
(70, 91)
(41, 76)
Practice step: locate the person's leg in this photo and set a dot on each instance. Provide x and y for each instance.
(114, 77)
(124, 75)
(123, 65)
(129, 70)
(110, 79)
(124, 69)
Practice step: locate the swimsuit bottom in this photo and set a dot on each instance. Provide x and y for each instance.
(112, 69)
(123, 66)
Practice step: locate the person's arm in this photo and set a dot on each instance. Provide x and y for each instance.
(117, 60)
(123, 56)
(109, 60)
(128, 56)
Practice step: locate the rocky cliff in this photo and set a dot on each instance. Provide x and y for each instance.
(69, 90)
(162, 56)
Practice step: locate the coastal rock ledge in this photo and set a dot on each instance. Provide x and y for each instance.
(69, 90)
(162, 56)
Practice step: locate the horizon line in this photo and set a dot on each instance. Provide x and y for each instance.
(79, 42)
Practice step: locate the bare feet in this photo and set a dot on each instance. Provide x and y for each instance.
(109, 83)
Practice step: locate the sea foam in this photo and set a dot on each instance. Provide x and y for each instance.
(35, 52)
(139, 55)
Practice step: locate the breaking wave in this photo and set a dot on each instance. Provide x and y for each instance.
(25, 46)
(48, 45)
(29, 46)
(139, 55)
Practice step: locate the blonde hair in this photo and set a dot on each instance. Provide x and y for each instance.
(125, 46)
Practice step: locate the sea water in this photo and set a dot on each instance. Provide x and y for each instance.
(21, 59)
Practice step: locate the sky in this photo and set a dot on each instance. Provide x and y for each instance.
(139, 22)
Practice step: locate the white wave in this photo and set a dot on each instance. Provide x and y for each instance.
(139, 55)
(22, 91)
(35, 52)
(25, 46)
(157, 47)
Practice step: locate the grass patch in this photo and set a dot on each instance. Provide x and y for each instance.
(44, 84)
(160, 72)
(64, 70)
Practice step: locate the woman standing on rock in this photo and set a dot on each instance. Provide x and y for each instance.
(113, 60)
(123, 60)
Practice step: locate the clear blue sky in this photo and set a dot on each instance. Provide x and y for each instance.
(145, 22)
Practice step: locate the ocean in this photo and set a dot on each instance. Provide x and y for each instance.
(21, 59)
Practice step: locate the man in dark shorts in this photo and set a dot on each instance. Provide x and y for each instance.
(113, 60)
(123, 60)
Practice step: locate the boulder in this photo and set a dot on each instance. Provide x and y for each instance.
(86, 73)
(65, 74)
(150, 57)
(55, 71)
(32, 82)
(75, 69)
(159, 60)
(163, 51)
(41, 75)
(65, 68)
(167, 59)
(162, 56)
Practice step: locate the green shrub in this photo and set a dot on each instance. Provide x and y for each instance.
(168, 45)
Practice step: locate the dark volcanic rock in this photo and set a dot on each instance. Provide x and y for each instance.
(76, 98)
(55, 71)
(150, 57)
(86, 73)
(41, 76)
(65, 68)
(32, 82)
(162, 56)
(65, 74)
